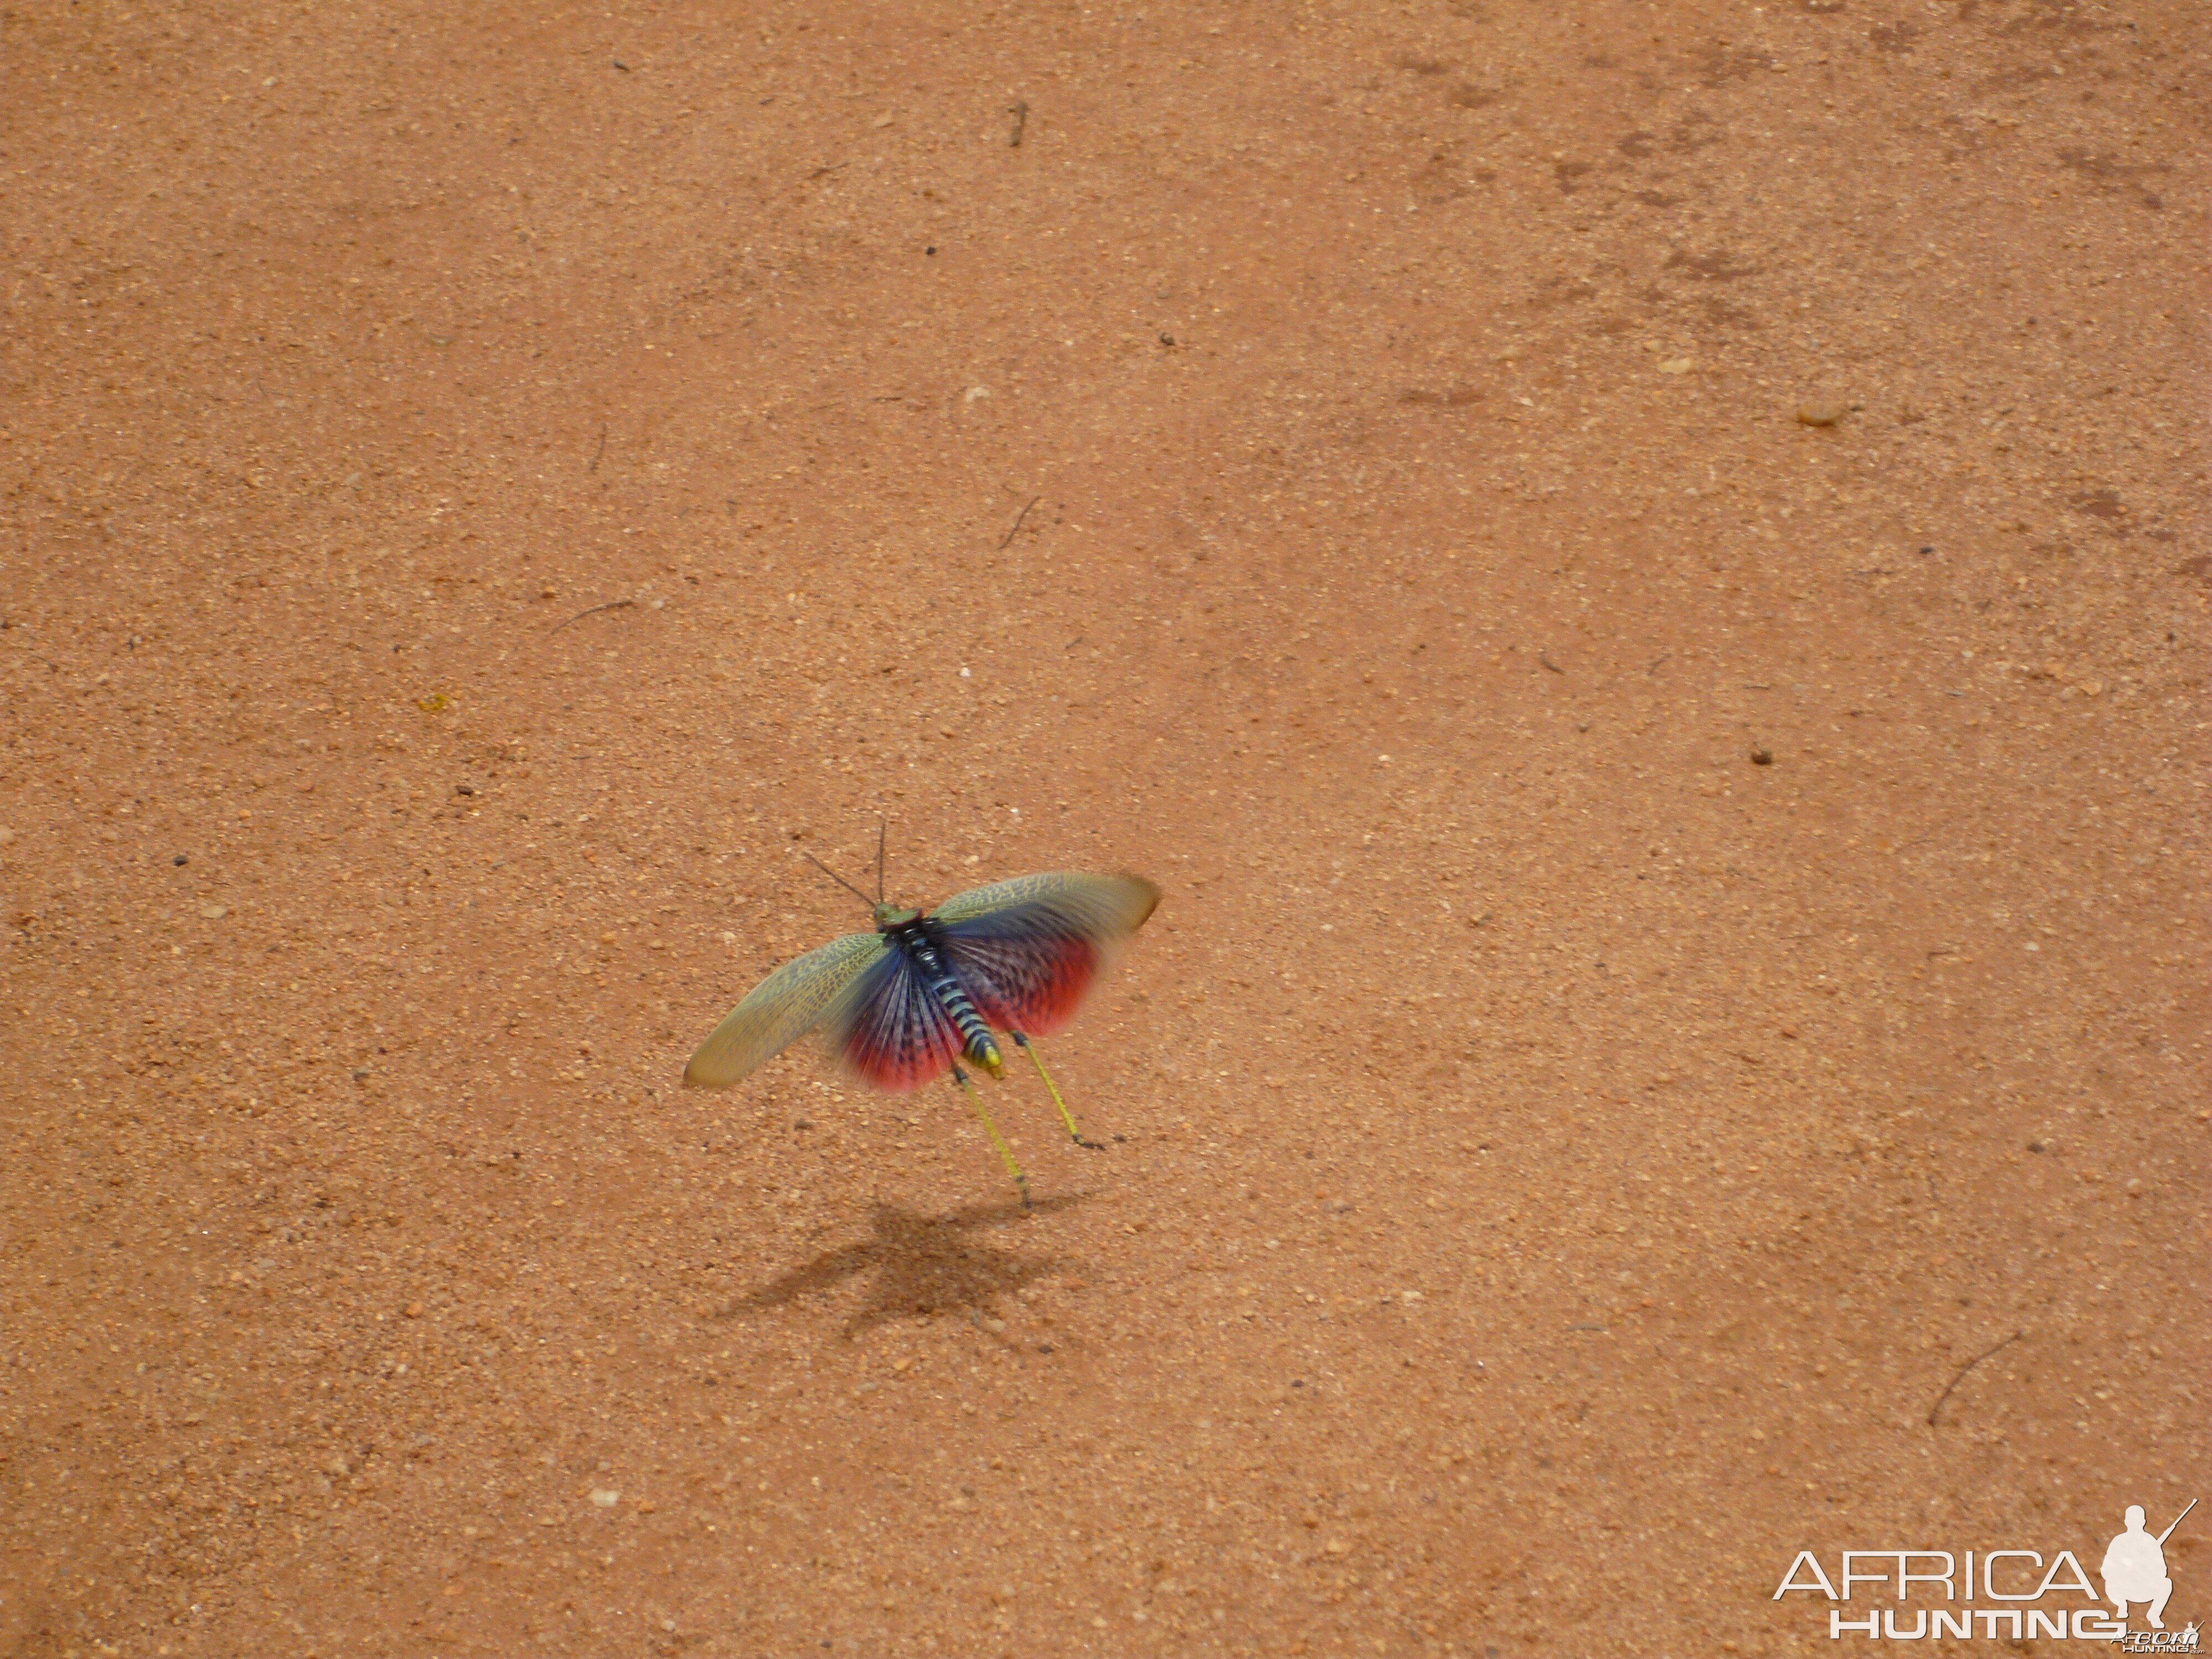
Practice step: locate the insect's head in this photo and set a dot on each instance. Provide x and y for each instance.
(889, 916)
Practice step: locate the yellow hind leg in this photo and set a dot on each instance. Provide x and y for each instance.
(1005, 1153)
(1065, 1116)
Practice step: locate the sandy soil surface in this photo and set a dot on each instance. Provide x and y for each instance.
(1636, 573)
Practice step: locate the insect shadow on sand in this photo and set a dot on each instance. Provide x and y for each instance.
(922, 1265)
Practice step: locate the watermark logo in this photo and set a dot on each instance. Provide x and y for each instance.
(2134, 1568)
(2031, 1593)
(2160, 1641)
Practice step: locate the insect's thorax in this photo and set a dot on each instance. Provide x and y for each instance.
(914, 938)
(908, 934)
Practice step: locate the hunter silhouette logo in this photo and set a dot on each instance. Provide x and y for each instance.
(2134, 1567)
(2135, 1571)
(2016, 1581)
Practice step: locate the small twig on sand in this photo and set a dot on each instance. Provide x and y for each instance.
(611, 605)
(1007, 539)
(600, 451)
(1549, 663)
(1963, 1369)
(1021, 114)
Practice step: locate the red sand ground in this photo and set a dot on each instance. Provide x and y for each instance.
(1683, 927)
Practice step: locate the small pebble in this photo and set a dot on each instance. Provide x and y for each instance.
(1677, 364)
(604, 1498)
(213, 912)
(180, 860)
(1762, 756)
(414, 1310)
(1819, 412)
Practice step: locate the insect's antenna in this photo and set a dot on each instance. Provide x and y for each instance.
(883, 829)
(835, 877)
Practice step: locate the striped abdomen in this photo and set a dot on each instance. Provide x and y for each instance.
(974, 1034)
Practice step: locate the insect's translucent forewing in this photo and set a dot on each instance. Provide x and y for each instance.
(1027, 950)
(1103, 907)
(782, 1008)
(892, 1029)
